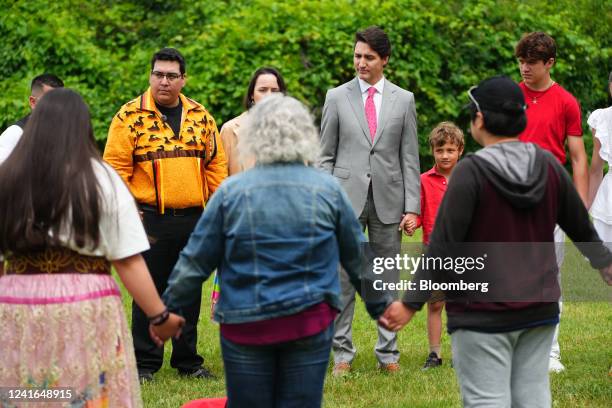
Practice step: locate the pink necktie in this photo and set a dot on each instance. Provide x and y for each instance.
(370, 111)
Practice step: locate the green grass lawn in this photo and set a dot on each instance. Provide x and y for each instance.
(585, 338)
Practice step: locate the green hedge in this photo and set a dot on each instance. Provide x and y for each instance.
(102, 49)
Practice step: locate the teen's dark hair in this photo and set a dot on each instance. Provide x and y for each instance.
(248, 98)
(536, 46)
(49, 178)
(509, 123)
(46, 79)
(169, 54)
(376, 38)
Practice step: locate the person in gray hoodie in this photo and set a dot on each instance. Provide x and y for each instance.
(500, 210)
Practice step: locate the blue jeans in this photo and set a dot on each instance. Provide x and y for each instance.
(289, 374)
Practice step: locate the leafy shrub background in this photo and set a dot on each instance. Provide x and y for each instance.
(102, 48)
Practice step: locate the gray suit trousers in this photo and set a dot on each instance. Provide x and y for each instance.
(385, 240)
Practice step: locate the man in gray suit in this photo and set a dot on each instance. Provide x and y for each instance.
(369, 143)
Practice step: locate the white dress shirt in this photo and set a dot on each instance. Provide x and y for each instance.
(8, 141)
(377, 96)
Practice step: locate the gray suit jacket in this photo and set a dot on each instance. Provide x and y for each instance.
(391, 162)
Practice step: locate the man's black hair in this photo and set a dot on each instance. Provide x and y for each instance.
(46, 79)
(377, 39)
(169, 54)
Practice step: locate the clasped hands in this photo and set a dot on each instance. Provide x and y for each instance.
(606, 274)
(408, 223)
(396, 316)
(172, 327)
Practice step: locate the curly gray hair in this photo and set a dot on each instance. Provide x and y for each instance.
(279, 129)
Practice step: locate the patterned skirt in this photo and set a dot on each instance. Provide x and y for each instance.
(67, 330)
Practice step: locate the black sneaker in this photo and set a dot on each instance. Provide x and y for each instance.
(145, 377)
(432, 361)
(198, 373)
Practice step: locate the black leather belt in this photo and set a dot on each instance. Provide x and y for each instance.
(172, 212)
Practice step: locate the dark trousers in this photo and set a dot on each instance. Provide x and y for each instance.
(168, 236)
(283, 375)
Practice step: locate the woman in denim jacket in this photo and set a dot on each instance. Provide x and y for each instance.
(276, 233)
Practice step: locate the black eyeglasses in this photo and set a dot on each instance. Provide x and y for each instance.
(170, 76)
(469, 92)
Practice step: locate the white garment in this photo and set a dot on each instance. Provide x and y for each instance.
(559, 234)
(8, 141)
(601, 122)
(121, 231)
(604, 231)
(380, 85)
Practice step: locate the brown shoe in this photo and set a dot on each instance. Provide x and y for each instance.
(390, 368)
(341, 369)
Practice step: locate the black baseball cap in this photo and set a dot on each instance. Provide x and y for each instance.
(498, 94)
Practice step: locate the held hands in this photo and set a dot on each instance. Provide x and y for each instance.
(606, 274)
(170, 328)
(396, 316)
(408, 223)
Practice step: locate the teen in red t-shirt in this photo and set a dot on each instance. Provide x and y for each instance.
(553, 116)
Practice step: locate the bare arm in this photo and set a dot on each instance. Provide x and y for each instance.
(580, 165)
(595, 171)
(229, 140)
(135, 276)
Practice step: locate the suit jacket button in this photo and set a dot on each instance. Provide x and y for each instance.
(368, 175)
(371, 152)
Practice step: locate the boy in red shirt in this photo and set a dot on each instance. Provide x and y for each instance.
(446, 142)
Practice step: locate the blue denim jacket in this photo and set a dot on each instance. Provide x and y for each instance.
(276, 234)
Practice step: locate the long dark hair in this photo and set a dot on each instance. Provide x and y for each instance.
(48, 182)
(248, 98)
